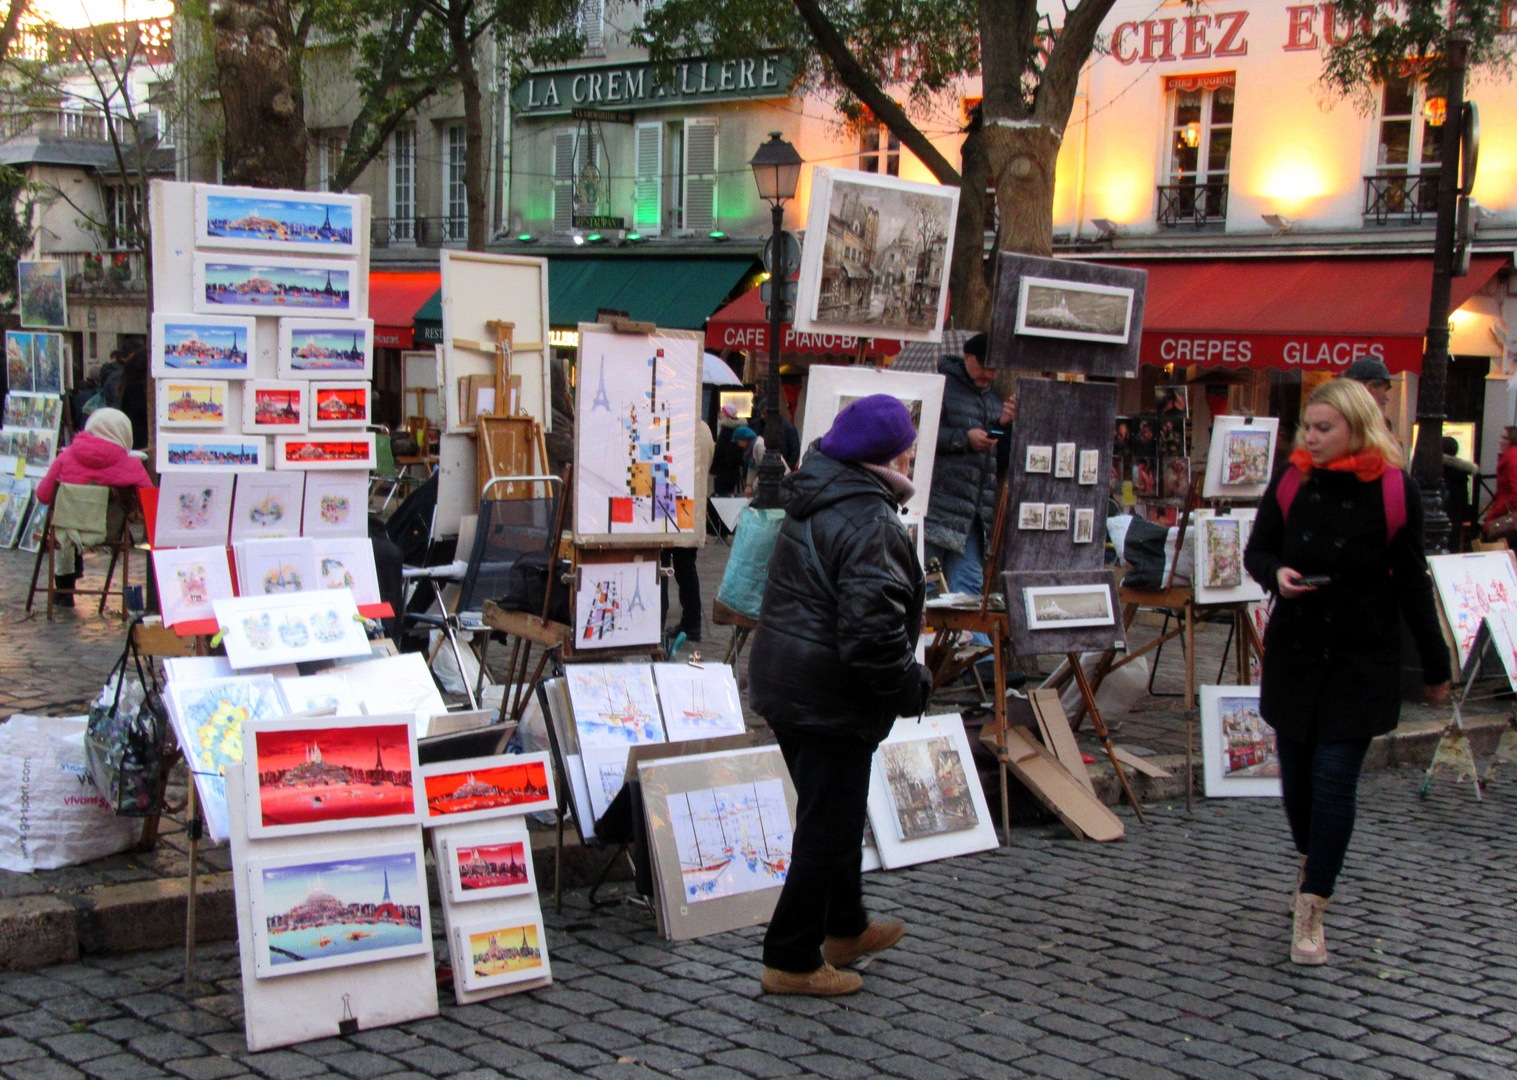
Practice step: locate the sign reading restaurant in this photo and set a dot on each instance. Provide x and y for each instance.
(643, 86)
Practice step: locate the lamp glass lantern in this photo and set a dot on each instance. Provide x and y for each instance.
(776, 170)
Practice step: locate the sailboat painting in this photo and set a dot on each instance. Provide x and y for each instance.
(614, 705)
(731, 840)
(617, 604)
(1079, 310)
(698, 702)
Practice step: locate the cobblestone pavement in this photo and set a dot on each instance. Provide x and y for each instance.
(1162, 955)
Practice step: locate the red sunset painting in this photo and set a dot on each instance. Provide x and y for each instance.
(334, 774)
(486, 789)
(492, 866)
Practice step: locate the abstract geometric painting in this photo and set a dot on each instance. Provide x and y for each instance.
(617, 604)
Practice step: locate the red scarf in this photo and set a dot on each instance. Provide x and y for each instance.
(1368, 464)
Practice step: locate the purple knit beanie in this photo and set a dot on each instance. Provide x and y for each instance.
(875, 429)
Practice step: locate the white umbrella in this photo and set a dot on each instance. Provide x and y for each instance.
(715, 372)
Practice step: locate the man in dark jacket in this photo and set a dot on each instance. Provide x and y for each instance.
(963, 505)
(833, 665)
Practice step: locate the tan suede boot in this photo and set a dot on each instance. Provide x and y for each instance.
(1308, 943)
(1300, 881)
(825, 981)
(877, 936)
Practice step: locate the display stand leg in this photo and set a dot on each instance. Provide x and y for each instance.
(997, 643)
(1188, 615)
(1088, 694)
(191, 811)
(558, 855)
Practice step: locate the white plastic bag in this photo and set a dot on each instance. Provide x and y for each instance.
(1119, 690)
(51, 814)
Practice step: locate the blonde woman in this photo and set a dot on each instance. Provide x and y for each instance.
(1339, 540)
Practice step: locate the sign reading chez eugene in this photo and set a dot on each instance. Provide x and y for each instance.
(1300, 352)
(640, 85)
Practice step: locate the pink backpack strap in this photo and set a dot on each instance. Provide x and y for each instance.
(1285, 491)
(1393, 487)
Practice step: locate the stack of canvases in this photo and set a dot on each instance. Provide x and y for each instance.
(37, 369)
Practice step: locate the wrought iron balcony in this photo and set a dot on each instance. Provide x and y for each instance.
(1400, 198)
(103, 273)
(419, 231)
(1198, 205)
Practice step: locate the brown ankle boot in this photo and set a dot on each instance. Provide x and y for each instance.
(825, 981)
(877, 936)
(1308, 943)
(1300, 881)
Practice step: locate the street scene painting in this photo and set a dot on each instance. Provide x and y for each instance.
(1238, 750)
(41, 297)
(929, 790)
(314, 912)
(326, 348)
(617, 604)
(255, 219)
(1078, 310)
(480, 788)
(882, 268)
(731, 840)
(34, 363)
(1246, 459)
(202, 344)
(1222, 567)
(1056, 606)
(319, 776)
(1241, 456)
(508, 950)
(238, 285)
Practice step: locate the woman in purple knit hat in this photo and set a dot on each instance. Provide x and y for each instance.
(833, 665)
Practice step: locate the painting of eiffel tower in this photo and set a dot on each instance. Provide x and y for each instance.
(610, 607)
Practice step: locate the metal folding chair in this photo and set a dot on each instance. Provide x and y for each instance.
(93, 511)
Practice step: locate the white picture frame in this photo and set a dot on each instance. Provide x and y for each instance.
(189, 579)
(1057, 607)
(327, 752)
(616, 605)
(367, 874)
(331, 350)
(347, 562)
(275, 566)
(1085, 526)
(1064, 455)
(336, 504)
(289, 220)
(1039, 459)
(957, 821)
(490, 848)
(191, 403)
(258, 631)
(194, 509)
(193, 451)
(303, 693)
(1043, 310)
(188, 346)
(228, 283)
(275, 406)
(1220, 543)
(1235, 742)
(345, 404)
(1241, 456)
(1056, 517)
(1031, 515)
(507, 922)
(1090, 467)
(346, 451)
(471, 789)
(895, 206)
(267, 506)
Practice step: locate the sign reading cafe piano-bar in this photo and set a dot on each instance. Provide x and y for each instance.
(644, 86)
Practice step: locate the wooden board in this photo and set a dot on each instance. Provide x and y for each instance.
(506, 449)
(1137, 764)
(1084, 814)
(1058, 736)
(1008, 349)
(1026, 641)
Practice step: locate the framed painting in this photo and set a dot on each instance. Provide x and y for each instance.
(881, 270)
(634, 448)
(15, 498)
(36, 525)
(475, 789)
(346, 451)
(275, 566)
(347, 562)
(616, 605)
(1076, 310)
(317, 911)
(1220, 542)
(699, 702)
(720, 826)
(1472, 588)
(191, 403)
(1056, 606)
(925, 798)
(185, 346)
(194, 509)
(340, 404)
(257, 219)
(275, 407)
(208, 717)
(336, 504)
(235, 284)
(188, 580)
(267, 505)
(1238, 753)
(326, 349)
(1241, 457)
(326, 775)
(490, 862)
(18, 361)
(180, 451)
(50, 373)
(41, 295)
(1067, 315)
(290, 628)
(509, 948)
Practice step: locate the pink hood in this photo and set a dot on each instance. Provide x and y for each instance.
(93, 460)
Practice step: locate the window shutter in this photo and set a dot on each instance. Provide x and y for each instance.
(563, 181)
(591, 20)
(700, 175)
(648, 190)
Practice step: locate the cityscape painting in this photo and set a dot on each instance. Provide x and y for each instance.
(479, 788)
(492, 868)
(883, 266)
(40, 295)
(190, 403)
(274, 406)
(928, 787)
(218, 346)
(1078, 310)
(256, 219)
(238, 285)
(343, 404)
(510, 949)
(354, 450)
(312, 912)
(1238, 750)
(211, 452)
(326, 349)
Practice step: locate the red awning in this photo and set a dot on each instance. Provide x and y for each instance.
(393, 300)
(741, 325)
(1294, 313)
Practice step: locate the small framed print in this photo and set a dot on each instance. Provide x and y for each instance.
(1055, 606)
(228, 283)
(202, 345)
(1039, 459)
(507, 949)
(353, 450)
(270, 406)
(212, 453)
(256, 219)
(340, 404)
(326, 348)
(191, 403)
(1085, 526)
(488, 862)
(1064, 460)
(1090, 466)
(474, 789)
(1030, 515)
(1056, 517)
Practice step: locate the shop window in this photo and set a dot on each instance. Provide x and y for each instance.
(1194, 190)
(456, 208)
(121, 202)
(403, 185)
(879, 151)
(1409, 133)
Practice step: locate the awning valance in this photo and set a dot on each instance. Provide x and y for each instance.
(742, 325)
(394, 298)
(671, 291)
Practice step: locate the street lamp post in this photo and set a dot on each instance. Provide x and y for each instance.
(777, 170)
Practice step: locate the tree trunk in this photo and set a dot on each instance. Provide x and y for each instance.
(474, 125)
(1021, 163)
(265, 128)
(969, 275)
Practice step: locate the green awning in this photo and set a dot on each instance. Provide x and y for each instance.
(675, 292)
(427, 323)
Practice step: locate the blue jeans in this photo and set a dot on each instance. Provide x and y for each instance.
(964, 569)
(1318, 782)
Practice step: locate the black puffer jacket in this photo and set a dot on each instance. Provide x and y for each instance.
(1332, 658)
(834, 653)
(963, 481)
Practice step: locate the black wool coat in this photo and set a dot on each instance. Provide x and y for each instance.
(963, 481)
(1332, 658)
(835, 649)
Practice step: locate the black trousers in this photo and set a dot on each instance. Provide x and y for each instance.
(689, 584)
(1319, 782)
(823, 895)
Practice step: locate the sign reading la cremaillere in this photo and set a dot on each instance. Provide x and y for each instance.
(643, 86)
